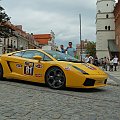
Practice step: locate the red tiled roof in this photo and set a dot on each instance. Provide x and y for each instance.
(43, 41)
(42, 38)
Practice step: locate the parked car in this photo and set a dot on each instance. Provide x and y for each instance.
(54, 68)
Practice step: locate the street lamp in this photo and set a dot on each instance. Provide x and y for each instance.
(80, 39)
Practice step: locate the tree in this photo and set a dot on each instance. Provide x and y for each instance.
(3, 16)
(4, 30)
(91, 48)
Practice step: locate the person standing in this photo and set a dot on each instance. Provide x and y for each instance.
(70, 50)
(105, 61)
(87, 60)
(115, 62)
(62, 48)
(96, 61)
(111, 65)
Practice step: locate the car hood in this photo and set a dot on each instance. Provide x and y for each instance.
(88, 68)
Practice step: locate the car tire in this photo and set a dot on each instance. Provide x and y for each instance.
(1, 71)
(55, 78)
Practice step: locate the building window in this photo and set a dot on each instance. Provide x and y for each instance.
(108, 27)
(98, 11)
(8, 42)
(11, 43)
(105, 27)
(107, 16)
(117, 39)
(107, 4)
(4, 42)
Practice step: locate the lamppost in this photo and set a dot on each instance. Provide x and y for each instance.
(80, 39)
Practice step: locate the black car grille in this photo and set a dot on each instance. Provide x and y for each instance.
(89, 82)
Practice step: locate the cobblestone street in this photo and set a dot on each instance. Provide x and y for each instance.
(61, 43)
(24, 101)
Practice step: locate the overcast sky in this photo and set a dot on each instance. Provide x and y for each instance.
(60, 16)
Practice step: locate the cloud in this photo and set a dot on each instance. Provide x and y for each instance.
(61, 16)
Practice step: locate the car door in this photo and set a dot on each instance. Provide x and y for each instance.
(33, 70)
(12, 64)
(24, 67)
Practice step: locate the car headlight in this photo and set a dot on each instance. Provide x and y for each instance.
(82, 71)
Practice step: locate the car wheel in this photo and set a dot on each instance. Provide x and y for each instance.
(1, 71)
(55, 78)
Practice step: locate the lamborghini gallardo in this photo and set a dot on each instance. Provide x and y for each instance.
(56, 69)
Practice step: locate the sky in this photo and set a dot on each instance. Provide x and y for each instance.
(60, 16)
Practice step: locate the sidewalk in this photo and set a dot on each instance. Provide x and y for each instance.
(114, 77)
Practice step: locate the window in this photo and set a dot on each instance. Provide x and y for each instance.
(98, 11)
(18, 54)
(108, 27)
(46, 58)
(30, 53)
(107, 16)
(105, 27)
(107, 4)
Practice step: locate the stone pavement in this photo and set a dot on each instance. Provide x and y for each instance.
(24, 101)
(114, 77)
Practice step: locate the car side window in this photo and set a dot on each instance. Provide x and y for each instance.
(39, 54)
(29, 54)
(45, 57)
(18, 54)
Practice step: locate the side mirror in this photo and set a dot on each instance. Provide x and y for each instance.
(39, 58)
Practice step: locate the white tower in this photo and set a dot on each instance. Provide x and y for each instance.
(105, 26)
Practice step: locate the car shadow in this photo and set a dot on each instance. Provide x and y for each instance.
(87, 90)
(90, 90)
(24, 82)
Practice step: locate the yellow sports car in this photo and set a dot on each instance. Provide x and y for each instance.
(56, 69)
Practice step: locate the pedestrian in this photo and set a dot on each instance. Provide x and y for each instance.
(70, 50)
(111, 65)
(96, 61)
(108, 62)
(105, 60)
(62, 48)
(115, 61)
(87, 60)
(90, 59)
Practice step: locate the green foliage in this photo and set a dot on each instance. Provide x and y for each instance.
(3, 16)
(91, 48)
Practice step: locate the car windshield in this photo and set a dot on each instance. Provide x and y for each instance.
(61, 56)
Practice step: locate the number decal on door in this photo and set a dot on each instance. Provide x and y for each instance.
(28, 68)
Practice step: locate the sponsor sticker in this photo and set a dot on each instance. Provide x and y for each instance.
(90, 67)
(18, 66)
(38, 75)
(39, 66)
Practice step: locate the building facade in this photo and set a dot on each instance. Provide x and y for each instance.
(105, 27)
(117, 26)
(18, 41)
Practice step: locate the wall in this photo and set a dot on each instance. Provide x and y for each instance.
(117, 25)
